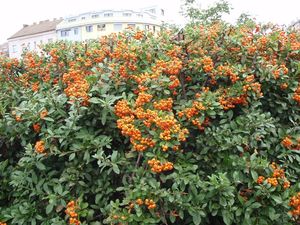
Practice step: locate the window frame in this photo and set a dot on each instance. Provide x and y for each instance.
(65, 33)
(102, 28)
(89, 28)
(108, 15)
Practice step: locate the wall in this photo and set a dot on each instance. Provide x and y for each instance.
(72, 36)
(32, 43)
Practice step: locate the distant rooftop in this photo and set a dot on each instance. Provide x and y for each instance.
(148, 10)
(36, 28)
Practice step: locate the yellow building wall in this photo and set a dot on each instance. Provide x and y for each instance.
(109, 28)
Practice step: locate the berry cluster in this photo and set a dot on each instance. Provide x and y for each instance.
(148, 202)
(158, 167)
(290, 144)
(278, 177)
(208, 64)
(164, 104)
(296, 96)
(295, 204)
(71, 212)
(36, 128)
(40, 146)
(43, 114)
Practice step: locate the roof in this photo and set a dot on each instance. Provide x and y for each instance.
(36, 28)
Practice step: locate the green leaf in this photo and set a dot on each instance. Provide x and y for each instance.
(104, 116)
(227, 217)
(196, 218)
(254, 175)
(86, 156)
(49, 208)
(277, 199)
(49, 119)
(272, 214)
(114, 156)
(58, 189)
(172, 218)
(97, 198)
(40, 166)
(95, 100)
(72, 156)
(255, 205)
(116, 169)
(223, 201)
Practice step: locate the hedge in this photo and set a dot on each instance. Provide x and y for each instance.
(197, 127)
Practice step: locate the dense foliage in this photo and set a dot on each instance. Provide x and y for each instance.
(196, 127)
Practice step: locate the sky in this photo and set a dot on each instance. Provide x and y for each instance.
(15, 13)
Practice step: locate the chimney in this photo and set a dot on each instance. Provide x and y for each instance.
(25, 25)
(43, 21)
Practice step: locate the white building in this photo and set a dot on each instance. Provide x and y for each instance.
(92, 25)
(31, 36)
(4, 49)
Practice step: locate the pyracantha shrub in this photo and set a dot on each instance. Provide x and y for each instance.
(200, 127)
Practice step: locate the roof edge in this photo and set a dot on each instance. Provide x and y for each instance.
(12, 37)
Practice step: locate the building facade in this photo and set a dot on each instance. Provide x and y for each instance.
(83, 27)
(4, 49)
(30, 37)
(93, 25)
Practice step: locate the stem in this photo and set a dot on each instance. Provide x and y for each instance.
(138, 159)
(136, 164)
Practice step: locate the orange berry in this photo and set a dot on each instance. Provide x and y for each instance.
(40, 146)
(260, 179)
(139, 201)
(43, 114)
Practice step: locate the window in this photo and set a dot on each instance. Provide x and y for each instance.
(153, 28)
(64, 33)
(162, 12)
(108, 14)
(34, 45)
(14, 48)
(95, 16)
(147, 27)
(152, 11)
(101, 27)
(28, 45)
(117, 27)
(131, 25)
(83, 18)
(50, 39)
(139, 15)
(71, 20)
(89, 28)
(127, 14)
(75, 31)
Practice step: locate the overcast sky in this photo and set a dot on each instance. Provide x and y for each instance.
(15, 13)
